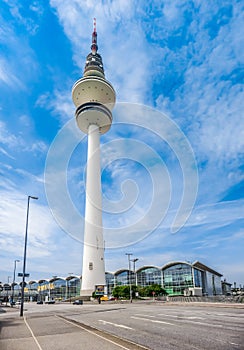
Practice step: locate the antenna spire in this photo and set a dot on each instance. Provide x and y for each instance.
(94, 25)
(94, 46)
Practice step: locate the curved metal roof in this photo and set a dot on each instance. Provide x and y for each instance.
(109, 273)
(172, 263)
(56, 278)
(120, 271)
(42, 281)
(148, 267)
(68, 278)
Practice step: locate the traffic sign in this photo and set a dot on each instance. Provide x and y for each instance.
(20, 274)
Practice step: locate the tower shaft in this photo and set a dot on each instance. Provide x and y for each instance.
(93, 272)
(94, 98)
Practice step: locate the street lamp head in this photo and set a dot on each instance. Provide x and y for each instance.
(33, 197)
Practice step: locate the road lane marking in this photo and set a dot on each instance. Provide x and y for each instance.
(205, 324)
(186, 317)
(173, 324)
(142, 315)
(33, 336)
(116, 325)
(168, 315)
(176, 316)
(190, 319)
(229, 315)
(104, 338)
(154, 321)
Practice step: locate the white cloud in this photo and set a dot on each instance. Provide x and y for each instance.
(3, 151)
(15, 142)
(13, 213)
(59, 103)
(207, 101)
(216, 215)
(7, 138)
(7, 75)
(18, 64)
(211, 92)
(17, 9)
(117, 28)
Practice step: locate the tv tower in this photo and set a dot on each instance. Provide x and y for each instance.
(94, 98)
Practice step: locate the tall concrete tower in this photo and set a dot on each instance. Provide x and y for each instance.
(94, 98)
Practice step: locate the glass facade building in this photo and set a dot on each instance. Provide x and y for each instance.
(183, 278)
(177, 278)
(124, 278)
(110, 282)
(147, 276)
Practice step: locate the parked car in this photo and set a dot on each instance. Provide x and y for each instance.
(78, 302)
(50, 302)
(39, 302)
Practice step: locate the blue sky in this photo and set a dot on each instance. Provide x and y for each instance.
(176, 62)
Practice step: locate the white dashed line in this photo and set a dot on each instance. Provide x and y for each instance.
(116, 325)
(185, 317)
(33, 336)
(153, 321)
(142, 315)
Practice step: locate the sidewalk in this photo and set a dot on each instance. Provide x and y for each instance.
(14, 334)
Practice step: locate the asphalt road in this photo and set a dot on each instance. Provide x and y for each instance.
(155, 325)
(46, 331)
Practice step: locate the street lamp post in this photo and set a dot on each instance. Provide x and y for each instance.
(8, 290)
(24, 259)
(129, 255)
(66, 290)
(15, 261)
(69, 291)
(134, 269)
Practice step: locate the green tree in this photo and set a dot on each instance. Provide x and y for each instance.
(123, 292)
(148, 290)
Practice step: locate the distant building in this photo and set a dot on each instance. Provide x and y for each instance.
(226, 287)
(183, 278)
(176, 277)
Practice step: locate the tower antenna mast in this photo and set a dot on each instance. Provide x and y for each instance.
(94, 46)
(94, 25)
